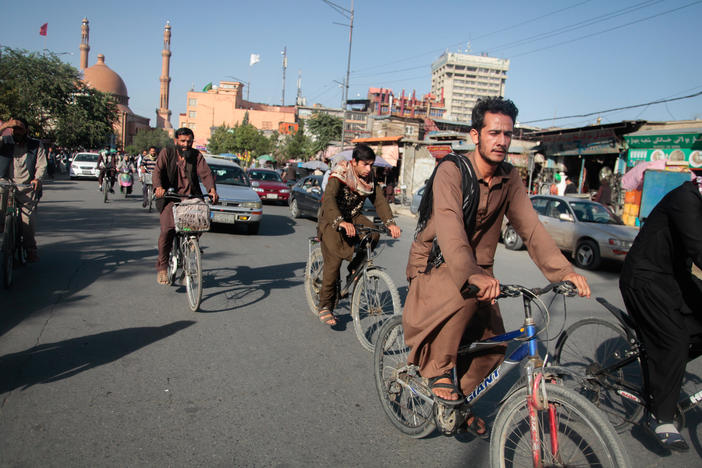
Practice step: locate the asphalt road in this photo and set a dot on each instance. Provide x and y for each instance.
(101, 366)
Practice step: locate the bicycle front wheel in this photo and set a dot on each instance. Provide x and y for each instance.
(375, 299)
(591, 345)
(193, 273)
(105, 188)
(150, 195)
(568, 432)
(313, 279)
(405, 398)
(7, 252)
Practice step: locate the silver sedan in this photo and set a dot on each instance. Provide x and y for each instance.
(586, 229)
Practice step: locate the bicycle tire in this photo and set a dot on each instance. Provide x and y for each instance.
(375, 299)
(173, 262)
(105, 189)
(586, 347)
(192, 265)
(313, 279)
(7, 252)
(20, 249)
(150, 195)
(585, 438)
(405, 409)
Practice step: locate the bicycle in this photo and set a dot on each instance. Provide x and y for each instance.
(12, 237)
(608, 370)
(191, 218)
(107, 177)
(539, 421)
(374, 294)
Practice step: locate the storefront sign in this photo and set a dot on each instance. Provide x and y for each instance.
(686, 140)
(439, 151)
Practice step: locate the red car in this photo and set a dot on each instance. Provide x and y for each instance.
(269, 186)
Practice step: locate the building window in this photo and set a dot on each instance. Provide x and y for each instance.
(192, 114)
(409, 130)
(192, 102)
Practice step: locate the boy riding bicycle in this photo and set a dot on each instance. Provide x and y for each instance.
(350, 183)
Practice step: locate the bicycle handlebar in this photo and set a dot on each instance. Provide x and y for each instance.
(513, 290)
(178, 196)
(380, 228)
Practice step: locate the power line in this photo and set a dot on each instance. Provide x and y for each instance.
(590, 114)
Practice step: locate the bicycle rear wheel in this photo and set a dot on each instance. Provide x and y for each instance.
(569, 432)
(375, 299)
(400, 388)
(587, 347)
(193, 273)
(313, 278)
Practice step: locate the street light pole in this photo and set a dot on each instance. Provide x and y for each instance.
(348, 14)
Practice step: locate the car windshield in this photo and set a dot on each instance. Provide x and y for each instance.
(86, 157)
(589, 212)
(229, 175)
(265, 175)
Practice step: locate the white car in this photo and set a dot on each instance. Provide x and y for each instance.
(84, 165)
(238, 203)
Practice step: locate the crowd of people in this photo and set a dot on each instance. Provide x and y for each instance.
(454, 246)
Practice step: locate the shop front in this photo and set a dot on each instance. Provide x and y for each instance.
(678, 146)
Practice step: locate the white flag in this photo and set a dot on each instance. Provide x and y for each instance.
(255, 58)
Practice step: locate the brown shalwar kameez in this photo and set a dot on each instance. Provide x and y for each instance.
(340, 204)
(436, 316)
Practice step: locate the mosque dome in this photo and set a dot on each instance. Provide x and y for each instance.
(103, 78)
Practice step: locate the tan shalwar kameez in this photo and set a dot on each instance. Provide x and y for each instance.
(436, 317)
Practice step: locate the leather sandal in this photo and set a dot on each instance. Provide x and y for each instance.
(327, 317)
(162, 277)
(434, 383)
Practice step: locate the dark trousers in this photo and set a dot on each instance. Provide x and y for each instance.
(165, 238)
(666, 335)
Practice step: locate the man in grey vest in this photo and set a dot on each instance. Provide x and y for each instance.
(23, 161)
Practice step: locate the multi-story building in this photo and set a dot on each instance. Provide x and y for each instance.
(463, 78)
(383, 102)
(224, 105)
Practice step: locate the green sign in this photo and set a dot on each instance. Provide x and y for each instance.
(682, 140)
(692, 157)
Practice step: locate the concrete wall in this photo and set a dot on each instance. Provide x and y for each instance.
(417, 166)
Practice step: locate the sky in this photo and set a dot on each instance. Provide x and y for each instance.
(567, 57)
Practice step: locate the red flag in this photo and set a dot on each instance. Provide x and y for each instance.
(42, 30)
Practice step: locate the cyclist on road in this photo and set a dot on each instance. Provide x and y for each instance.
(350, 183)
(459, 223)
(180, 168)
(107, 162)
(23, 161)
(664, 298)
(147, 164)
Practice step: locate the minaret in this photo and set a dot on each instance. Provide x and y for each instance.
(163, 114)
(84, 46)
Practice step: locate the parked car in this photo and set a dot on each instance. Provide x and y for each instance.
(586, 229)
(269, 186)
(84, 165)
(306, 198)
(238, 203)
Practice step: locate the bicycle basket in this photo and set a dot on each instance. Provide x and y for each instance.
(147, 178)
(191, 215)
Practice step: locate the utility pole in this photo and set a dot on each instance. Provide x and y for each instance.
(285, 65)
(348, 14)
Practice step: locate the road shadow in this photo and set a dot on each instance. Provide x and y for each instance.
(61, 360)
(271, 226)
(243, 286)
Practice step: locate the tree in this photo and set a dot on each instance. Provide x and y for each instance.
(51, 96)
(238, 139)
(325, 128)
(221, 140)
(297, 145)
(146, 138)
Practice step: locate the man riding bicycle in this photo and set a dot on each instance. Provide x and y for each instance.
(663, 297)
(107, 162)
(23, 161)
(350, 183)
(147, 164)
(180, 168)
(459, 223)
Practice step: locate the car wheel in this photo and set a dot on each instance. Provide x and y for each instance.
(587, 255)
(294, 209)
(511, 239)
(252, 228)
